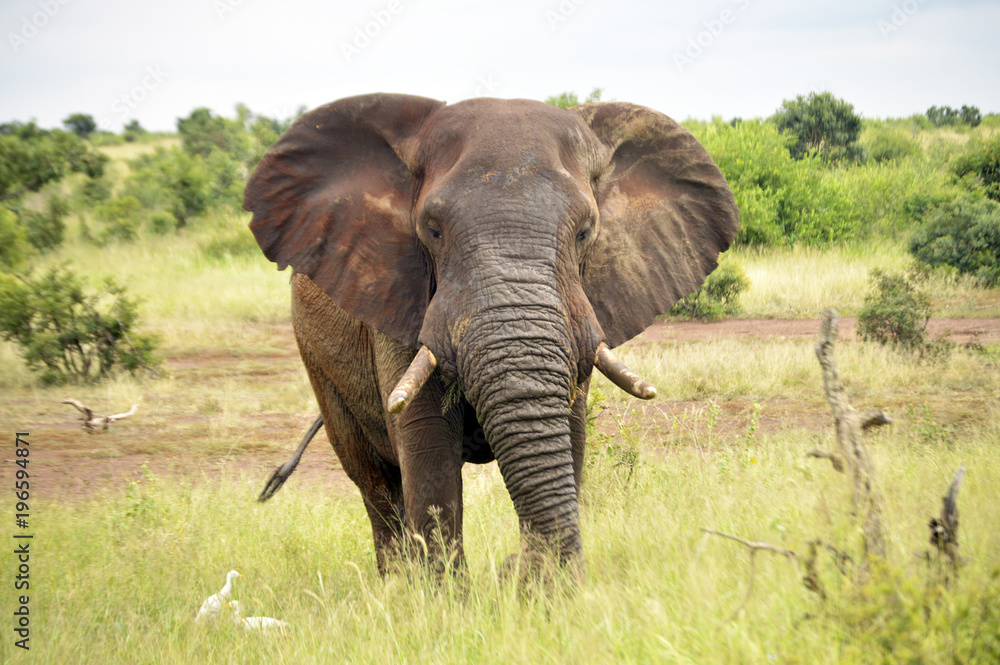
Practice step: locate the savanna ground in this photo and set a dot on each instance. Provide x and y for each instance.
(134, 527)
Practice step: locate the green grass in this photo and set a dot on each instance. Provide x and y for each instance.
(120, 577)
(799, 282)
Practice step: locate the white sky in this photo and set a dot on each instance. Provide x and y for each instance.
(156, 61)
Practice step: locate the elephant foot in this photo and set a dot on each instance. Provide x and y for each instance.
(529, 568)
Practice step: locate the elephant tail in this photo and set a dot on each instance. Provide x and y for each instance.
(282, 473)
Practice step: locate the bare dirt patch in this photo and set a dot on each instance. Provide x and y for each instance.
(68, 464)
(961, 331)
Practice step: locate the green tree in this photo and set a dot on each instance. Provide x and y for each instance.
(970, 115)
(30, 158)
(81, 124)
(202, 131)
(133, 130)
(821, 123)
(565, 100)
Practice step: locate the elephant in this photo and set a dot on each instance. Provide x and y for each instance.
(459, 270)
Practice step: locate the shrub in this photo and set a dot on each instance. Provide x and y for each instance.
(964, 234)
(122, 216)
(781, 200)
(718, 296)
(821, 123)
(13, 241)
(983, 164)
(171, 180)
(895, 313)
(46, 230)
(70, 335)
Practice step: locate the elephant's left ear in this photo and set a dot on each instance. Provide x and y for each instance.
(666, 212)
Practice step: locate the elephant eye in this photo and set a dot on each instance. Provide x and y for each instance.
(583, 234)
(434, 230)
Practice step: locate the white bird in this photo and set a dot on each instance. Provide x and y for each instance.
(259, 624)
(213, 604)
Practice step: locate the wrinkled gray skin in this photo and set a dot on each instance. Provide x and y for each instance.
(509, 237)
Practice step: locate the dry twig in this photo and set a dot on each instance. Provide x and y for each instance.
(92, 423)
(754, 548)
(848, 423)
(838, 464)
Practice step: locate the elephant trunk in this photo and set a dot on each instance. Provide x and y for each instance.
(517, 370)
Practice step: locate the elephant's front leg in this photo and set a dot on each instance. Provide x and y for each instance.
(429, 449)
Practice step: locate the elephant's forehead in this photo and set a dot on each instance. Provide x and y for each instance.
(504, 134)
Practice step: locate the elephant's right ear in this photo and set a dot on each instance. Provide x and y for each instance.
(332, 199)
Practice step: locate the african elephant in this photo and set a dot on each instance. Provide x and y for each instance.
(459, 270)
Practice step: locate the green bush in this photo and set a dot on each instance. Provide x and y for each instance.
(895, 313)
(781, 200)
(122, 216)
(71, 335)
(174, 181)
(718, 296)
(983, 164)
(46, 230)
(964, 234)
(14, 244)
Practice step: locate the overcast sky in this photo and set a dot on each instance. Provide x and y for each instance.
(156, 61)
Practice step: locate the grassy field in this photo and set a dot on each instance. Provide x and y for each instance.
(119, 570)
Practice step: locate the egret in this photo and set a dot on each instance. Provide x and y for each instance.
(213, 604)
(259, 624)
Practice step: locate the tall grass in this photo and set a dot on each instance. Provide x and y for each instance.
(796, 282)
(121, 577)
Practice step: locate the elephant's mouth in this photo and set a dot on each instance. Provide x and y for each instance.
(605, 361)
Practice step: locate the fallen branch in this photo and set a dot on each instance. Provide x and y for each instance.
(92, 423)
(849, 424)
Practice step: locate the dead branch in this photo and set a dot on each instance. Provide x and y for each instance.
(848, 423)
(838, 464)
(875, 418)
(811, 579)
(944, 531)
(754, 548)
(92, 423)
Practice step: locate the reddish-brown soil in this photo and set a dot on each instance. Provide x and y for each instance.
(67, 463)
(961, 331)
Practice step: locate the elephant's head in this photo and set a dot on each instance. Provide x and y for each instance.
(509, 238)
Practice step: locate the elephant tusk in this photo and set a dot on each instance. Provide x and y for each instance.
(413, 380)
(622, 376)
